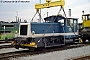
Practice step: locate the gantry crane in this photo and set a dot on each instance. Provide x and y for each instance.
(49, 4)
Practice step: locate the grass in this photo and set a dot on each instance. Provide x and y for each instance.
(8, 35)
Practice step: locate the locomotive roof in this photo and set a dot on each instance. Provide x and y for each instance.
(62, 17)
(71, 18)
(57, 15)
(85, 14)
(54, 16)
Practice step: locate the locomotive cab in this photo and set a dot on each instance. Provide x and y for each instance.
(71, 30)
(72, 24)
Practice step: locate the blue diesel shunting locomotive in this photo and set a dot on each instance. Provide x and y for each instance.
(55, 31)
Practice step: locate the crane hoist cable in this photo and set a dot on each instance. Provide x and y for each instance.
(40, 17)
(53, 20)
(49, 4)
(35, 15)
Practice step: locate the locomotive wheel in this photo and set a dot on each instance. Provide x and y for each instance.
(83, 39)
(42, 48)
(31, 49)
(89, 40)
(17, 47)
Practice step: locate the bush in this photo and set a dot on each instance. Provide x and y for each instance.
(8, 35)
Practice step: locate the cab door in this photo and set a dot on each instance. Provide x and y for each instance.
(75, 25)
(72, 24)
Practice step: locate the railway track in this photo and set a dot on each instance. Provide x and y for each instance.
(83, 58)
(3, 41)
(5, 46)
(5, 56)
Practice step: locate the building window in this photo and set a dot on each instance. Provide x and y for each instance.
(8, 25)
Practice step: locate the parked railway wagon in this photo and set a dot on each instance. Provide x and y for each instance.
(55, 31)
(8, 29)
(9, 26)
(85, 31)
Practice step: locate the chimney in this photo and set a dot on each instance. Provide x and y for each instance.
(69, 12)
(83, 12)
(16, 18)
(20, 20)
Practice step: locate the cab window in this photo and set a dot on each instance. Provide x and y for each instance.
(61, 21)
(86, 17)
(69, 22)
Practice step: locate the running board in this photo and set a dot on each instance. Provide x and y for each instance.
(54, 45)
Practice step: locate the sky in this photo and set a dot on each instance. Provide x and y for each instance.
(26, 11)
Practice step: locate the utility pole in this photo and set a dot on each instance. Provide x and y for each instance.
(47, 14)
(16, 16)
(4, 31)
(40, 12)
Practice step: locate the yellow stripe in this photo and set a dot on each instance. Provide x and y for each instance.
(32, 44)
(80, 40)
(28, 45)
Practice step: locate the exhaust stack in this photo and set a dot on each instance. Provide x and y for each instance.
(69, 12)
(83, 12)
